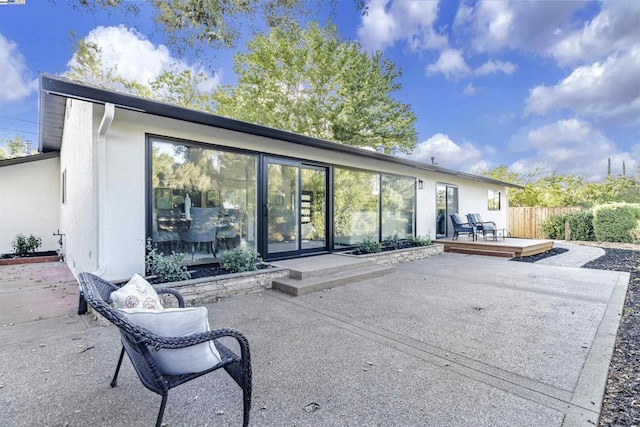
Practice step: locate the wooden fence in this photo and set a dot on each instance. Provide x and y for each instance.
(525, 222)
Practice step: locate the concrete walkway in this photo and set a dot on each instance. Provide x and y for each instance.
(576, 255)
(446, 341)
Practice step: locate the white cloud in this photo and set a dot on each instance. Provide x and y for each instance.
(610, 89)
(573, 147)
(469, 89)
(448, 154)
(15, 79)
(491, 67)
(523, 24)
(451, 64)
(387, 22)
(135, 58)
(616, 27)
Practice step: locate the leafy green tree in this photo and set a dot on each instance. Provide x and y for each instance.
(15, 148)
(174, 86)
(540, 187)
(194, 25)
(179, 87)
(612, 190)
(311, 82)
(89, 68)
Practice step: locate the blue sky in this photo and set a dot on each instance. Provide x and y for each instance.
(526, 84)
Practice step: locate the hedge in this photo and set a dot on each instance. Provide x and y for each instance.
(580, 222)
(617, 222)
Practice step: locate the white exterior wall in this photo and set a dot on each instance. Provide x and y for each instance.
(124, 210)
(77, 215)
(30, 203)
(473, 198)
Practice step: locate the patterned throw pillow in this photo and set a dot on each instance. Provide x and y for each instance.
(178, 322)
(136, 294)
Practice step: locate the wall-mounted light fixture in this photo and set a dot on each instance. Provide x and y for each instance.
(420, 184)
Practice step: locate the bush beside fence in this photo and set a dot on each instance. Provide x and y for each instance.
(618, 222)
(580, 224)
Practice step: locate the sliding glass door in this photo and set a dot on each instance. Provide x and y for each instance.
(295, 210)
(446, 204)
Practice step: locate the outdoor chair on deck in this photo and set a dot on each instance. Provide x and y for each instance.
(484, 227)
(143, 347)
(460, 227)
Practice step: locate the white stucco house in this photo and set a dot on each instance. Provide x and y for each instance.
(116, 170)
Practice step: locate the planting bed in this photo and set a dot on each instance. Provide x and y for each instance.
(30, 258)
(621, 406)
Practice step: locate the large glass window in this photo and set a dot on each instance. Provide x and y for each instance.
(203, 200)
(398, 206)
(356, 206)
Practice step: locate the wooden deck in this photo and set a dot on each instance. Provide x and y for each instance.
(510, 247)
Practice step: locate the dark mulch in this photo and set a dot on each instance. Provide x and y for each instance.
(538, 257)
(207, 270)
(29, 255)
(402, 245)
(621, 406)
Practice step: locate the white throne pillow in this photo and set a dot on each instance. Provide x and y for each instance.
(136, 294)
(178, 322)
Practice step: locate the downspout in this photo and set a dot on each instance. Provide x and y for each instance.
(100, 196)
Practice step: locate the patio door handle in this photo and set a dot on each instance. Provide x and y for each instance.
(266, 210)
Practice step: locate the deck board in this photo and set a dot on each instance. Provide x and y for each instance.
(510, 247)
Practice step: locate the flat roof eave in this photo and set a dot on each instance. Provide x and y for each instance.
(55, 88)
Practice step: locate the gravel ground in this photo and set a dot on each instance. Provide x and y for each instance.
(621, 406)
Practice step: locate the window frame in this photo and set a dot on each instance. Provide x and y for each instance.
(494, 200)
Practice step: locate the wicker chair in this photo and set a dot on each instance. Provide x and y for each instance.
(137, 342)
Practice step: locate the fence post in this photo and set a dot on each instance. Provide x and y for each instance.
(567, 231)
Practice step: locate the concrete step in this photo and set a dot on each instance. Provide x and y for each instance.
(311, 284)
(321, 265)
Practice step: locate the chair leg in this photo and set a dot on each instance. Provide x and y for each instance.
(246, 397)
(114, 381)
(161, 412)
(82, 304)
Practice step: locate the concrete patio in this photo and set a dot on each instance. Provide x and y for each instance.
(449, 340)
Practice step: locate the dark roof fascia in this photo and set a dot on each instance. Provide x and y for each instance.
(27, 159)
(56, 85)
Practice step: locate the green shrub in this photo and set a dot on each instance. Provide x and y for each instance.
(369, 246)
(392, 242)
(168, 268)
(616, 222)
(419, 240)
(239, 260)
(580, 222)
(553, 227)
(22, 245)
